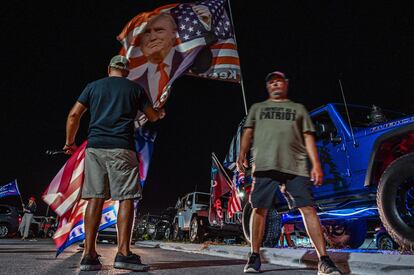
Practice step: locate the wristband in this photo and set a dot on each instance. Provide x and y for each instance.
(69, 145)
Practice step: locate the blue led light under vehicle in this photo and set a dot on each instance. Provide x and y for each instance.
(337, 214)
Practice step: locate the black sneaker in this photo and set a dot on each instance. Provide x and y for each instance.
(327, 267)
(253, 264)
(89, 263)
(130, 262)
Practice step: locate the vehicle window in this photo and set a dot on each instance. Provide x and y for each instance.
(202, 199)
(363, 116)
(4, 210)
(190, 198)
(325, 128)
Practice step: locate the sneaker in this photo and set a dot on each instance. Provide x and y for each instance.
(89, 263)
(253, 264)
(327, 267)
(130, 262)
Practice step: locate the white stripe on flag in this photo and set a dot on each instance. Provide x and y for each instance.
(68, 202)
(186, 46)
(224, 52)
(225, 66)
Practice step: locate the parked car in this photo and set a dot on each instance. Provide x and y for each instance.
(164, 228)
(9, 220)
(368, 162)
(145, 227)
(192, 216)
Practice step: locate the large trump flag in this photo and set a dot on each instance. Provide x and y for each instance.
(190, 38)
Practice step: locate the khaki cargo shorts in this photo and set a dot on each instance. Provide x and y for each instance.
(111, 173)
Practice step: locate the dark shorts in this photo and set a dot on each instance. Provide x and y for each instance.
(269, 185)
(111, 173)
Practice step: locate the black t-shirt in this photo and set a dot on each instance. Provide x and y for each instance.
(113, 103)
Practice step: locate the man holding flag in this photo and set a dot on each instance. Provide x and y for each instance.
(111, 164)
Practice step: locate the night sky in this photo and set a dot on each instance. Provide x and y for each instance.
(50, 51)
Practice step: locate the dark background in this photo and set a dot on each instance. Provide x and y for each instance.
(51, 50)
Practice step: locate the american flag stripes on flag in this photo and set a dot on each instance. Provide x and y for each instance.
(63, 193)
(63, 197)
(234, 204)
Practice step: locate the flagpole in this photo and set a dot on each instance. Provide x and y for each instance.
(241, 74)
(20, 195)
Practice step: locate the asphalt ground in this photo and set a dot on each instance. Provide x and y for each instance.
(38, 257)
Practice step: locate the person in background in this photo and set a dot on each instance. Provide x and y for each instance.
(28, 211)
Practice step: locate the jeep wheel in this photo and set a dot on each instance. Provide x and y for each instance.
(167, 233)
(384, 242)
(196, 230)
(4, 231)
(177, 233)
(272, 229)
(395, 200)
(349, 234)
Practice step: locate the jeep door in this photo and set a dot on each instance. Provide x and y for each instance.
(332, 151)
(188, 210)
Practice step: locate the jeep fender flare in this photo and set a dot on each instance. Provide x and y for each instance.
(377, 144)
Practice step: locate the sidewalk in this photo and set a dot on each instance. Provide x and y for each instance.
(349, 261)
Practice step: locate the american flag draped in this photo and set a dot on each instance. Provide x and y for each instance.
(63, 193)
(194, 34)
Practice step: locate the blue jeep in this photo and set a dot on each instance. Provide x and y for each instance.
(367, 156)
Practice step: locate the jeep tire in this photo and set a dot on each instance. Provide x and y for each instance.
(196, 233)
(178, 235)
(395, 200)
(272, 229)
(4, 230)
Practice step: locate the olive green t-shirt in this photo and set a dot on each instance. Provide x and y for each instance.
(278, 141)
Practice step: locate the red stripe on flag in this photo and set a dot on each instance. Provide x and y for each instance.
(227, 46)
(226, 60)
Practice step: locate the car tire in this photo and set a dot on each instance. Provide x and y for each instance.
(4, 231)
(50, 233)
(167, 233)
(196, 233)
(177, 233)
(350, 234)
(272, 229)
(385, 242)
(395, 200)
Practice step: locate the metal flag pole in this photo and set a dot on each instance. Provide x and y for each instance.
(18, 190)
(241, 74)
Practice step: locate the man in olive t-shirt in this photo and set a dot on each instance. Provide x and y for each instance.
(283, 140)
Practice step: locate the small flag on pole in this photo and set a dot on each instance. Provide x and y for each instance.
(10, 189)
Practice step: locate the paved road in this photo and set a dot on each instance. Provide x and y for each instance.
(38, 257)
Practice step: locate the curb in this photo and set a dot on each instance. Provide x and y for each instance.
(349, 261)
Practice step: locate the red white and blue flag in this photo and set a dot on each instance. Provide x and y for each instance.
(63, 195)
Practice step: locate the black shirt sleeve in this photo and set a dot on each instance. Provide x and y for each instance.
(84, 97)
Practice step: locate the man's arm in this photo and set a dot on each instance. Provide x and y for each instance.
(72, 126)
(153, 114)
(245, 144)
(316, 172)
